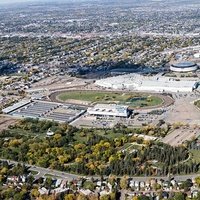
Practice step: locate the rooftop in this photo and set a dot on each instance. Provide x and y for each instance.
(16, 106)
(184, 64)
(109, 109)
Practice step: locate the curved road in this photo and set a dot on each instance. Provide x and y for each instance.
(67, 176)
(42, 171)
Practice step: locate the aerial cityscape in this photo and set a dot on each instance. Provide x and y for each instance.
(100, 100)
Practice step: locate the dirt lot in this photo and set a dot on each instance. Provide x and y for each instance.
(5, 122)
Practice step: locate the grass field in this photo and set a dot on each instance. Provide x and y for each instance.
(132, 100)
(51, 176)
(195, 155)
(34, 172)
(108, 134)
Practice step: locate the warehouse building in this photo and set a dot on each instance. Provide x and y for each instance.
(109, 110)
(45, 110)
(16, 106)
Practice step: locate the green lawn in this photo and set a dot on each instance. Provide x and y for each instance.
(27, 133)
(195, 155)
(34, 172)
(105, 133)
(51, 176)
(109, 134)
(132, 100)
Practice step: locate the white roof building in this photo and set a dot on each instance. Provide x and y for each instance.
(109, 110)
(184, 67)
(50, 133)
(85, 192)
(197, 55)
(16, 106)
(138, 82)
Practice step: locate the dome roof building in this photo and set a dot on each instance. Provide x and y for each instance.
(185, 66)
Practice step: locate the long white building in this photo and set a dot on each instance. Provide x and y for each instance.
(109, 110)
(147, 83)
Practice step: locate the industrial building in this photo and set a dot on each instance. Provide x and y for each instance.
(16, 106)
(45, 110)
(136, 82)
(184, 67)
(109, 110)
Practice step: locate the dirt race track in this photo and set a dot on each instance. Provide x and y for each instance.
(167, 100)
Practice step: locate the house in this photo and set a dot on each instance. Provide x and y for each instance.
(58, 182)
(86, 192)
(132, 184)
(43, 191)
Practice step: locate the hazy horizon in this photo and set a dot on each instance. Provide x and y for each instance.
(24, 1)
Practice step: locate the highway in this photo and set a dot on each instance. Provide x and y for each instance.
(67, 176)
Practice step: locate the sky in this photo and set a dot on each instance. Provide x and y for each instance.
(17, 1)
(10, 1)
(13, 1)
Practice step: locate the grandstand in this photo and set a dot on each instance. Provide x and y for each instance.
(109, 110)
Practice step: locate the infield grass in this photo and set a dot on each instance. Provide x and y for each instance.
(130, 99)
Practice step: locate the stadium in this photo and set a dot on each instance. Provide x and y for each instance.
(184, 67)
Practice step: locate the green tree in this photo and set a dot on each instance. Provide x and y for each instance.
(143, 197)
(124, 182)
(70, 197)
(197, 181)
(179, 196)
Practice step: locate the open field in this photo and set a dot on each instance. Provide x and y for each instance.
(195, 155)
(135, 100)
(5, 122)
(100, 132)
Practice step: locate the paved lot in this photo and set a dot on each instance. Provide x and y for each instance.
(180, 135)
(87, 121)
(184, 110)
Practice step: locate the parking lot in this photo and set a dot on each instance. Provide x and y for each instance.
(184, 109)
(178, 136)
(87, 120)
